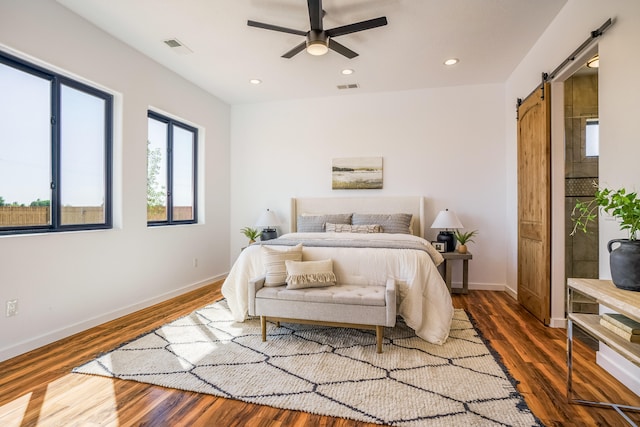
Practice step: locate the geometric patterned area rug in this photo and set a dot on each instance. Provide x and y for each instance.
(326, 370)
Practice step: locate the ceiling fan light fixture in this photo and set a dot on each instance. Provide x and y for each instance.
(317, 47)
(317, 43)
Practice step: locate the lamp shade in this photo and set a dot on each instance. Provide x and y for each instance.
(268, 219)
(446, 219)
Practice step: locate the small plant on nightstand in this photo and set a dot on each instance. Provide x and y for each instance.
(463, 238)
(250, 233)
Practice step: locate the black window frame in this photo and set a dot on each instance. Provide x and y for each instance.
(170, 122)
(56, 80)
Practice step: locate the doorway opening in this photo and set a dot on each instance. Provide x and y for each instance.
(581, 128)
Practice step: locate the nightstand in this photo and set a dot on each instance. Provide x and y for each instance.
(452, 256)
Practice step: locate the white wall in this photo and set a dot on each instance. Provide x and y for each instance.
(445, 144)
(619, 88)
(66, 282)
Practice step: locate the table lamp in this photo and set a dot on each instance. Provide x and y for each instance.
(446, 220)
(268, 221)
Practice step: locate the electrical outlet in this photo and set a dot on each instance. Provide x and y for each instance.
(195, 262)
(12, 307)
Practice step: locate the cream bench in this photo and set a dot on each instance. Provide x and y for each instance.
(349, 306)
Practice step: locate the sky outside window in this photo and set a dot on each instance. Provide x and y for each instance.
(25, 140)
(82, 148)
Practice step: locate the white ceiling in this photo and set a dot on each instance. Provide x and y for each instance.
(490, 37)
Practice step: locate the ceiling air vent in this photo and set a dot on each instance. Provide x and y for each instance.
(349, 86)
(177, 46)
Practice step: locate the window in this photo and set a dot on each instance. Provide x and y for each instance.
(171, 171)
(592, 138)
(55, 151)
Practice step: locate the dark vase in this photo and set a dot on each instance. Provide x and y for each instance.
(449, 240)
(625, 264)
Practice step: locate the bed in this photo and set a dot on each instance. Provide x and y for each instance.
(395, 250)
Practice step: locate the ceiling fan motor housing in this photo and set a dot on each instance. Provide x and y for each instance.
(315, 36)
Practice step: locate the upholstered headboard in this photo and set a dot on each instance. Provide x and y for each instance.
(366, 205)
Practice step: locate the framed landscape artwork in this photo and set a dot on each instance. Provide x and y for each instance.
(356, 173)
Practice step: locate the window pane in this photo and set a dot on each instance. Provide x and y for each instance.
(592, 138)
(82, 162)
(183, 185)
(25, 149)
(157, 170)
(171, 160)
(55, 151)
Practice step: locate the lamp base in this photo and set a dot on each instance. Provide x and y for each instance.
(449, 240)
(268, 234)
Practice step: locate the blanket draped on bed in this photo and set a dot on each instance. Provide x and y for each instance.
(328, 240)
(424, 301)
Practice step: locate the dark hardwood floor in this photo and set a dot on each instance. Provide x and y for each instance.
(37, 388)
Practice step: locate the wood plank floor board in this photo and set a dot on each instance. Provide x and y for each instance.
(38, 388)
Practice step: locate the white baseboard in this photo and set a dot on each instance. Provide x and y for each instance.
(50, 337)
(620, 368)
(559, 322)
(480, 286)
(512, 292)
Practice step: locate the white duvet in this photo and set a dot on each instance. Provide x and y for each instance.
(424, 301)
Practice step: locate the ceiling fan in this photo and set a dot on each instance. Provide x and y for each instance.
(318, 40)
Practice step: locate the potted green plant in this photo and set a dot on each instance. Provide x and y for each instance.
(624, 206)
(463, 238)
(250, 233)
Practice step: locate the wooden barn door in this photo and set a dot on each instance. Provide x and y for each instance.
(534, 203)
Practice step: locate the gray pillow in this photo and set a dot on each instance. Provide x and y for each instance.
(316, 223)
(399, 223)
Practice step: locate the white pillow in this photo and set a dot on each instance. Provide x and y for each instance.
(274, 263)
(310, 274)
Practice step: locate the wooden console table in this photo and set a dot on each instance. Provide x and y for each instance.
(451, 256)
(604, 292)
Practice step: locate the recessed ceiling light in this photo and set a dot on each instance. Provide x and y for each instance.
(255, 81)
(347, 71)
(451, 61)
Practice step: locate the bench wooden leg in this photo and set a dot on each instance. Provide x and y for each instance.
(263, 326)
(379, 336)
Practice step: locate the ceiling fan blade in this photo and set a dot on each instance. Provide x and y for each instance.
(341, 49)
(276, 28)
(296, 50)
(358, 26)
(315, 14)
